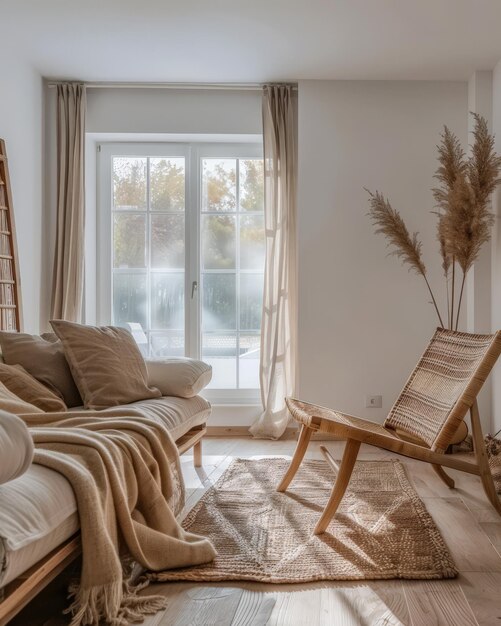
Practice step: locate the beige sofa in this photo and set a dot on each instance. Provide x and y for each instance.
(38, 512)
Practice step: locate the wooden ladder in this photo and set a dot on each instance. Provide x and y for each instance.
(10, 284)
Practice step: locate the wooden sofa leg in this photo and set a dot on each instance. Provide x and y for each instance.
(444, 476)
(343, 478)
(197, 454)
(302, 445)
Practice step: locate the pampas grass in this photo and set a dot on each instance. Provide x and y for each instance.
(464, 219)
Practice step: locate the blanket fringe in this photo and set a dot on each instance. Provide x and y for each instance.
(116, 604)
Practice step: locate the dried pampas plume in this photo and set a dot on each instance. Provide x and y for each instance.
(452, 162)
(388, 222)
(462, 196)
(484, 164)
(465, 221)
(466, 225)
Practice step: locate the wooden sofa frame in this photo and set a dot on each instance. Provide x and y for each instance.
(23, 589)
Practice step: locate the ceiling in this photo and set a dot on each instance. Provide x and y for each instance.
(252, 40)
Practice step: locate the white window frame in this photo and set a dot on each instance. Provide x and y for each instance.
(193, 153)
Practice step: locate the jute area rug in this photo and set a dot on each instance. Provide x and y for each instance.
(382, 529)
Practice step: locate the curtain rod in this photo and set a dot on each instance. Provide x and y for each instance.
(200, 86)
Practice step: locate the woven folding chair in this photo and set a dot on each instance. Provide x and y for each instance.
(422, 422)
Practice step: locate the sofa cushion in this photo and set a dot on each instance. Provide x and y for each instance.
(44, 360)
(38, 511)
(106, 364)
(181, 377)
(179, 415)
(16, 447)
(28, 388)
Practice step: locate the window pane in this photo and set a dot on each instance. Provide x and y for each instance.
(167, 344)
(252, 242)
(218, 302)
(129, 299)
(251, 185)
(220, 351)
(167, 301)
(167, 241)
(167, 184)
(219, 184)
(251, 301)
(218, 242)
(129, 183)
(249, 361)
(129, 240)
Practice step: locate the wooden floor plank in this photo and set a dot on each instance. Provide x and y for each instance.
(469, 545)
(254, 608)
(301, 607)
(196, 605)
(483, 592)
(438, 603)
(493, 531)
(375, 603)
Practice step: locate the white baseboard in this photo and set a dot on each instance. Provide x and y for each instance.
(231, 420)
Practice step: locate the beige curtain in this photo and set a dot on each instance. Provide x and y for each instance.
(278, 325)
(68, 277)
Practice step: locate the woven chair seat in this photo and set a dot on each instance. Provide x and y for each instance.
(311, 415)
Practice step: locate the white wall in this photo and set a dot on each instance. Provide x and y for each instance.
(21, 127)
(496, 250)
(363, 319)
(173, 111)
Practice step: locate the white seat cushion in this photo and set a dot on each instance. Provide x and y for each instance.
(179, 414)
(181, 377)
(38, 511)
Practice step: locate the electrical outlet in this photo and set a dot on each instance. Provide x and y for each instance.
(373, 402)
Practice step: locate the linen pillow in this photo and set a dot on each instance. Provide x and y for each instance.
(24, 386)
(106, 363)
(11, 403)
(44, 360)
(16, 447)
(180, 377)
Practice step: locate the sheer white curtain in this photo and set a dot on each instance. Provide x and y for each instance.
(279, 321)
(68, 276)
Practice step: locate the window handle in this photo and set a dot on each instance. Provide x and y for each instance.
(194, 287)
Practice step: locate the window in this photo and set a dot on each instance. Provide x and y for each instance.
(181, 252)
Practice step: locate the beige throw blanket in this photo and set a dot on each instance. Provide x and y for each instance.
(125, 472)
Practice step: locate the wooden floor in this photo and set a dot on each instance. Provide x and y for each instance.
(468, 523)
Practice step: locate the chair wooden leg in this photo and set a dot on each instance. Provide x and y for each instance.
(197, 454)
(343, 478)
(302, 445)
(482, 460)
(444, 476)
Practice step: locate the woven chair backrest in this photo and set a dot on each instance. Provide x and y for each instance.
(444, 385)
